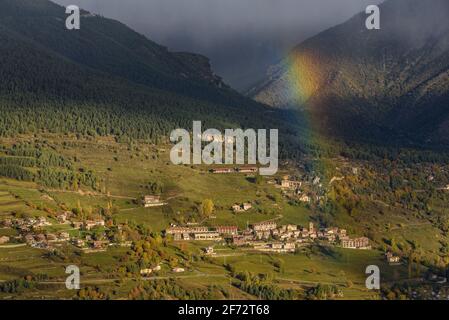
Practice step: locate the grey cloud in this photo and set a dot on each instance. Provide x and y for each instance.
(241, 37)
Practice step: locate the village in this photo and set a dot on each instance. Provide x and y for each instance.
(32, 231)
(89, 235)
(265, 236)
(306, 189)
(268, 236)
(86, 234)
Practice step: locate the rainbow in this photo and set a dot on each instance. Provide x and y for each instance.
(303, 77)
(307, 74)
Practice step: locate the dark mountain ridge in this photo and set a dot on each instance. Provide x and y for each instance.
(106, 79)
(103, 44)
(388, 84)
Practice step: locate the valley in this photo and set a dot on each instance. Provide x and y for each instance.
(386, 86)
(87, 179)
(131, 238)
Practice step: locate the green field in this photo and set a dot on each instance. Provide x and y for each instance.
(124, 174)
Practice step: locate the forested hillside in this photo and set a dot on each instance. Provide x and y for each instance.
(106, 79)
(387, 85)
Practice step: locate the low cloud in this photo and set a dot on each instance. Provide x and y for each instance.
(242, 37)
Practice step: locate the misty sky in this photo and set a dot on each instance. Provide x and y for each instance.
(241, 37)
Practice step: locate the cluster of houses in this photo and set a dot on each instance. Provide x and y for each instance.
(32, 232)
(66, 218)
(25, 225)
(268, 236)
(45, 241)
(88, 224)
(356, 243)
(242, 207)
(286, 183)
(199, 233)
(294, 186)
(244, 169)
(147, 271)
(392, 259)
(32, 223)
(152, 201)
(90, 245)
(4, 239)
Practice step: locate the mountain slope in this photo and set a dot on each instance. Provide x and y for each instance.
(364, 83)
(109, 46)
(102, 44)
(108, 80)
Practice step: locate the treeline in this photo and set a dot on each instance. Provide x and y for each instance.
(16, 172)
(405, 156)
(16, 286)
(37, 156)
(156, 187)
(170, 288)
(18, 161)
(262, 287)
(91, 293)
(66, 179)
(51, 177)
(324, 292)
(147, 122)
(47, 167)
